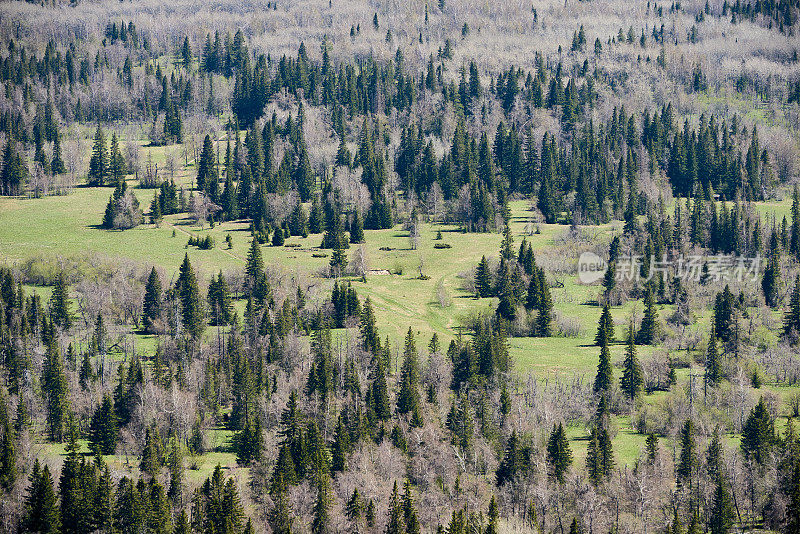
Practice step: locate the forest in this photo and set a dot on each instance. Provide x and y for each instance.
(367, 266)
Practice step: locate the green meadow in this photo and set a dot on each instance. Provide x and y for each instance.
(68, 227)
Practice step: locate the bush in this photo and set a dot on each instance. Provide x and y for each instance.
(442, 245)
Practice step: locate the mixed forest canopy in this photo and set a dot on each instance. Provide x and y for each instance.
(321, 266)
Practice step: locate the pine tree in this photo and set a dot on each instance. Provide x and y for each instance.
(713, 374)
(175, 463)
(604, 377)
(758, 434)
(559, 454)
(544, 319)
(206, 168)
(722, 514)
(280, 517)
(151, 306)
(793, 506)
(791, 320)
(59, 303)
(605, 327)
(594, 465)
(116, 163)
(8, 457)
(687, 463)
(357, 228)
(103, 428)
(648, 331)
(192, 313)
(98, 164)
(483, 279)
(408, 400)
(57, 165)
(632, 377)
(14, 170)
(507, 245)
(54, 385)
(41, 506)
(380, 392)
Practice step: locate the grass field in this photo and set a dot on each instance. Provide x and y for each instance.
(68, 226)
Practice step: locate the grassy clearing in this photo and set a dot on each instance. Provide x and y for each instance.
(67, 226)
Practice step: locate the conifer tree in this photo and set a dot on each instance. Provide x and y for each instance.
(713, 374)
(604, 377)
(758, 434)
(151, 305)
(103, 428)
(507, 245)
(380, 391)
(54, 385)
(98, 163)
(357, 228)
(559, 454)
(8, 457)
(544, 319)
(192, 313)
(483, 279)
(722, 514)
(648, 330)
(41, 514)
(57, 165)
(605, 327)
(175, 463)
(687, 463)
(206, 168)
(59, 303)
(280, 516)
(632, 377)
(408, 400)
(116, 163)
(791, 319)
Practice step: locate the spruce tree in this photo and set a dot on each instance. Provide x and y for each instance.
(408, 400)
(357, 228)
(151, 305)
(41, 515)
(559, 454)
(103, 428)
(791, 319)
(648, 330)
(605, 327)
(758, 434)
(604, 377)
(687, 463)
(55, 388)
(632, 377)
(192, 313)
(483, 279)
(59, 303)
(544, 319)
(8, 457)
(713, 375)
(721, 515)
(98, 163)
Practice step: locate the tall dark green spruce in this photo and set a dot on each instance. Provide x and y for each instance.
(103, 428)
(192, 313)
(151, 305)
(59, 303)
(604, 377)
(632, 377)
(605, 327)
(559, 454)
